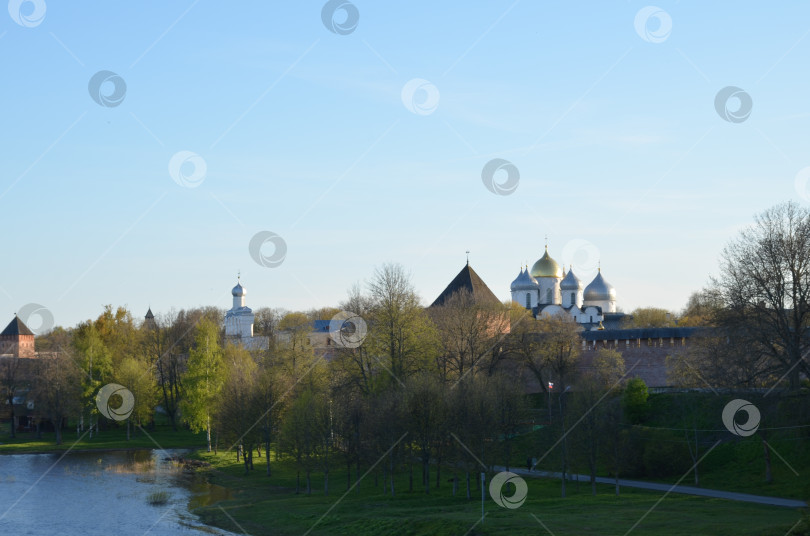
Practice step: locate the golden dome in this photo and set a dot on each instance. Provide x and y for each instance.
(546, 267)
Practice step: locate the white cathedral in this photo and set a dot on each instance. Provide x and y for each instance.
(547, 289)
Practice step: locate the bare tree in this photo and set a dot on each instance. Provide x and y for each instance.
(765, 286)
(469, 332)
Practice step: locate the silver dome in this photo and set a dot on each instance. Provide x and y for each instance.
(570, 281)
(524, 281)
(238, 290)
(600, 290)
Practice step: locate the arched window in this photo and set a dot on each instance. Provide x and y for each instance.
(528, 301)
(573, 298)
(548, 295)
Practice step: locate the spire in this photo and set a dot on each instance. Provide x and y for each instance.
(468, 257)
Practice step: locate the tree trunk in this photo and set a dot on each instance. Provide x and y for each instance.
(426, 475)
(391, 470)
(58, 425)
(208, 432)
(768, 474)
(297, 482)
(469, 495)
(13, 420)
(267, 454)
(616, 468)
(309, 482)
(697, 477)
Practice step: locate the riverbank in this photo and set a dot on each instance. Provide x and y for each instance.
(269, 505)
(161, 437)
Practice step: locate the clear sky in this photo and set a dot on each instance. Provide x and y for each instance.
(321, 136)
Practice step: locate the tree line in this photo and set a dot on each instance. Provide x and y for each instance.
(432, 390)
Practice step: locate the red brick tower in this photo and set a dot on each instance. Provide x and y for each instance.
(17, 339)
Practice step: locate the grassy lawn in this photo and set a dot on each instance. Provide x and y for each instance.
(263, 505)
(114, 438)
(733, 466)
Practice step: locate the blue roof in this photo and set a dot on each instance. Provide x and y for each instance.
(321, 326)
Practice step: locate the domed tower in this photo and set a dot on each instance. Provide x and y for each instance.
(600, 293)
(238, 292)
(239, 320)
(548, 275)
(525, 289)
(571, 290)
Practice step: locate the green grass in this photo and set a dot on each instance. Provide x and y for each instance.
(158, 498)
(263, 505)
(116, 438)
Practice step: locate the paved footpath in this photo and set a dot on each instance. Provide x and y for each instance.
(689, 490)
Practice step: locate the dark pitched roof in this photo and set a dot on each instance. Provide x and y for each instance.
(16, 327)
(468, 280)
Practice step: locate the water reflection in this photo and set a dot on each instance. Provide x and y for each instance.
(101, 494)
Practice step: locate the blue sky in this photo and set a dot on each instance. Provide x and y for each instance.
(304, 132)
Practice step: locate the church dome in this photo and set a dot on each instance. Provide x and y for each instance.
(600, 290)
(570, 281)
(546, 267)
(524, 281)
(238, 290)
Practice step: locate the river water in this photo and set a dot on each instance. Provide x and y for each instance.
(102, 493)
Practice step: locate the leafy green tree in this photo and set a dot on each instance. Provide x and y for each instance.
(204, 378)
(57, 389)
(239, 409)
(703, 308)
(634, 400)
(140, 380)
(119, 333)
(649, 317)
(302, 433)
(96, 366)
(400, 331)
